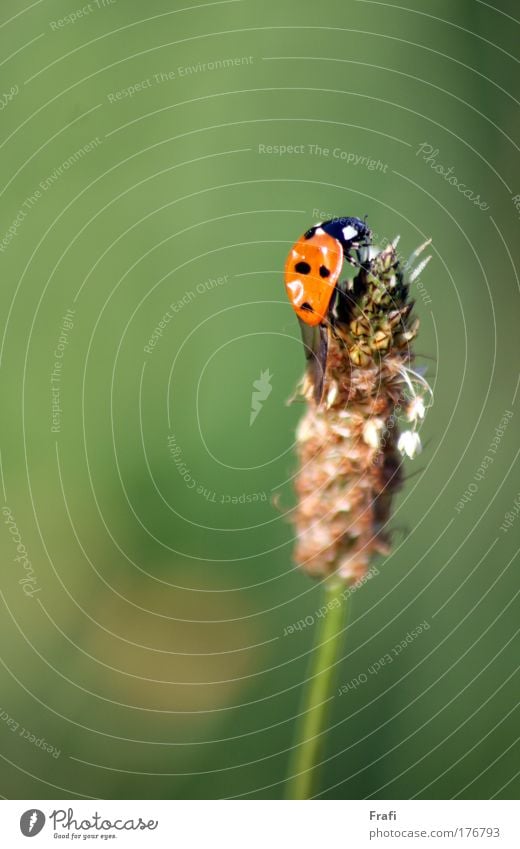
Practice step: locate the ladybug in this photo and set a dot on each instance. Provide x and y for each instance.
(314, 264)
(312, 272)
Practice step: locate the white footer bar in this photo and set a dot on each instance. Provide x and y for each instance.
(261, 824)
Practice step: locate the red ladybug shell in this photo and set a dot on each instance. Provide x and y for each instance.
(312, 270)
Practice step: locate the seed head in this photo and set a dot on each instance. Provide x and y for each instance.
(348, 442)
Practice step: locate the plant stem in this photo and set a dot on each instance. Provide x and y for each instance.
(303, 770)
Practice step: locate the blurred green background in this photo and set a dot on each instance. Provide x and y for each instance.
(145, 223)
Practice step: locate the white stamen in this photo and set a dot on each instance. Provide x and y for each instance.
(409, 443)
(420, 268)
(413, 256)
(403, 371)
(416, 409)
(421, 380)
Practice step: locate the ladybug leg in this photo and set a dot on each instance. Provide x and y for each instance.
(350, 259)
(348, 256)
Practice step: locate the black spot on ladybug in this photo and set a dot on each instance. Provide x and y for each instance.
(302, 267)
(324, 271)
(306, 306)
(309, 233)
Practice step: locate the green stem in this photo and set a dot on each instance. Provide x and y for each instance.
(303, 768)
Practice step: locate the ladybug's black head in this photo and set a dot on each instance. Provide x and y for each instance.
(350, 232)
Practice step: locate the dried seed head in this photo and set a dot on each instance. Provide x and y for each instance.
(349, 445)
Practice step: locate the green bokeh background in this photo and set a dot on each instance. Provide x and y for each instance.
(153, 655)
